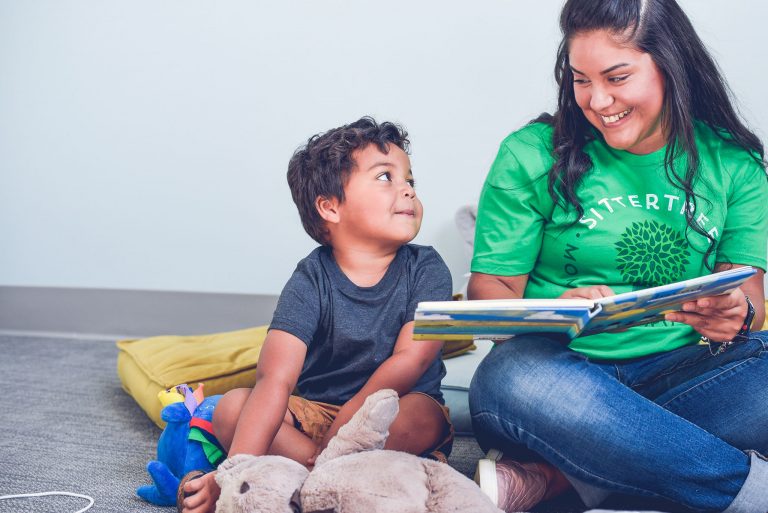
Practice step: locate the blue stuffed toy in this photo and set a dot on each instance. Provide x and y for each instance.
(186, 444)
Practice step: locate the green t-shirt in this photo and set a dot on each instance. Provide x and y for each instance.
(633, 233)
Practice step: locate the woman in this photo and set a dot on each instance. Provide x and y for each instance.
(645, 175)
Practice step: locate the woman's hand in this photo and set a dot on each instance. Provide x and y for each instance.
(719, 318)
(593, 292)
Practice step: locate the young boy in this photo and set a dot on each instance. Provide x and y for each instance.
(343, 325)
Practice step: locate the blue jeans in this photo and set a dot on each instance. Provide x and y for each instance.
(676, 426)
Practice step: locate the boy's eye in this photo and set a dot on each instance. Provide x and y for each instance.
(412, 183)
(384, 177)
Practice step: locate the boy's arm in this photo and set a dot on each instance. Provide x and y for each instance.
(280, 363)
(409, 360)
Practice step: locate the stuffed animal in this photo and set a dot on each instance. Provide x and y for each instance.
(354, 474)
(186, 443)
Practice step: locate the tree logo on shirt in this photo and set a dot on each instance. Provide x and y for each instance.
(651, 254)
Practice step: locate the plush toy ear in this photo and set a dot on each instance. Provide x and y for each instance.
(368, 428)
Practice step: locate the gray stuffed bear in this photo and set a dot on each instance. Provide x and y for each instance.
(354, 474)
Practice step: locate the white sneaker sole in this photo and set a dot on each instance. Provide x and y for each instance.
(485, 476)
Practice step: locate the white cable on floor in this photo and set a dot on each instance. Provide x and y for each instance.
(42, 494)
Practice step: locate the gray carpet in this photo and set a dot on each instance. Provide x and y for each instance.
(68, 426)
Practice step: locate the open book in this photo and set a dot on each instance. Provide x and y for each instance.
(499, 319)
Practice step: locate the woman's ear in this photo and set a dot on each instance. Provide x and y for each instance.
(328, 208)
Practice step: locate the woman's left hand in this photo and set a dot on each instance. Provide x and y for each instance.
(719, 318)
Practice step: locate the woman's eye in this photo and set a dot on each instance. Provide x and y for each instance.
(618, 79)
(384, 177)
(580, 81)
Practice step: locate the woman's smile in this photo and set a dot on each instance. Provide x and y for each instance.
(613, 119)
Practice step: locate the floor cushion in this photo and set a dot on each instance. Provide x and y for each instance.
(453, 348)
(222, 361)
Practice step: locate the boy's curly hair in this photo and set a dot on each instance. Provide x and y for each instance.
(322, 167)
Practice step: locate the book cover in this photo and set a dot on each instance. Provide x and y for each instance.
(500, 319)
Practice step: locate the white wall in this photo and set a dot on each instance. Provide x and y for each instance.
(144, 144)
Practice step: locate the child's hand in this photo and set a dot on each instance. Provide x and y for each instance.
(203, 494)
(312, 459)
(339, 421)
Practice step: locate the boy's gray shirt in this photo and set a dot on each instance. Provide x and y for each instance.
(351, 330)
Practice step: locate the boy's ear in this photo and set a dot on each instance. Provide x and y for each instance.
(328, 208)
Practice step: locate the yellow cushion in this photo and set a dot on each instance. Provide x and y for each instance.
(453, 348)
(222, 361)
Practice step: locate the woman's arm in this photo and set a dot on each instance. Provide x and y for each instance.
(491, 286)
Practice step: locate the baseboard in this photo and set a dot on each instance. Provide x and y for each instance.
(110, 313)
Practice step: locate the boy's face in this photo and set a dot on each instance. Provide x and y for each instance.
(380, 203)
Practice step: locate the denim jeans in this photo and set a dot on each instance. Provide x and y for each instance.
(676, 426)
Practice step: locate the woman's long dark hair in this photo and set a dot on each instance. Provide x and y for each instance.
(694, 90)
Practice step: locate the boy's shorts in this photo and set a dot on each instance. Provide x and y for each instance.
(314, 419)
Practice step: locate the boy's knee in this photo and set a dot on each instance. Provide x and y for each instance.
(419, 417)
(412, 427)
(228, 410)
(227, 413)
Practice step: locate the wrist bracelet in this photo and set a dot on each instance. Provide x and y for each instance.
(746, 326)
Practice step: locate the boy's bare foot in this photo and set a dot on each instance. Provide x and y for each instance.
(202, 492)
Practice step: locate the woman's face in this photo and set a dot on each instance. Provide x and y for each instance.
(620, 90)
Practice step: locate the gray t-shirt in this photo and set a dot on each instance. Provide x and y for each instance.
(351, 330)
